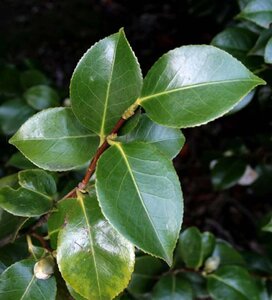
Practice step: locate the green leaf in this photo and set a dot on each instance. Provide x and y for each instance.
(57, 220)
(140, 195)
(207, 244)
(93, 258)
(75, 295)
(227, 254)
(18, 160)
(31, 78)
(14, 252)
(268, 226)
(19, 282)
(106, 81)
(13, 114)
(243, 103)
(235, 40)
(41, 96)
(198, 283)
(10, 180)
(64, 143)
(173, 287)
(10, 224)
(258, 12)
(227, 172)
(232, 282)
(37, 181)
(193, 85)
(189, 247)
(145, 271)
(33, 198)
(168, 140)
(268, 52)
(238, 42)
(261, 42)
(243, 3)
(257, 263)
(194, 247)
(130, 124)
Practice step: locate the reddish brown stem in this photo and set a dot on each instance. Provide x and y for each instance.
(82, 185)
(100, 151)
(42, 241)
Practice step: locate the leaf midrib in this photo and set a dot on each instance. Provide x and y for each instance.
(186, 87)
(28, 287)
(229, 285)
(102, 129)
(92, 243)
(53, 139)
(119, 147)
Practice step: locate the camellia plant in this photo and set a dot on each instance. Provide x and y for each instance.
(128, 128)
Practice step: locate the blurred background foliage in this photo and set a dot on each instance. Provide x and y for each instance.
(225, 167)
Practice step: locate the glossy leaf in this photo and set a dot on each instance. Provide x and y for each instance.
(19, 282)
(37, 181)
(261, 42)
(13, 114)
(193, 85)
(140, 195)
(189, 247)
(41, 96)
(268, 52)
(232, 282)
(10, 180)
(238, 42)
(13, 252)
(168, 140)
(235, 40)
(227, 172)
(93, 258)
(75, 295)
(130, 124)
(56, 133)
(9, 224)
(243, 103)
(257, 263)
(268, 226)
(194, 247)
(243, 3)
(173, 287)
(33, 198)
(198, 283)
(18, 160)
(145, 271)
(227, 254)
(207, 244)
(57, 220)
(259, 12)
(106, 81)
(31, 78)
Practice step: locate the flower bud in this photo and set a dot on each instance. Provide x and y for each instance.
(211, 264)
(44, 268)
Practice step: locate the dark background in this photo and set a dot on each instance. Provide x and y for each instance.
(55, 34)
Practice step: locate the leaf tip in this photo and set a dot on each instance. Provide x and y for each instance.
(122, 30)
(12, 139)
(169, 260)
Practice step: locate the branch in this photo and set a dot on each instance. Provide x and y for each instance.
(91, 169)
(82, 185)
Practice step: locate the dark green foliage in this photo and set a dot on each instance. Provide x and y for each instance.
(129, 128)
